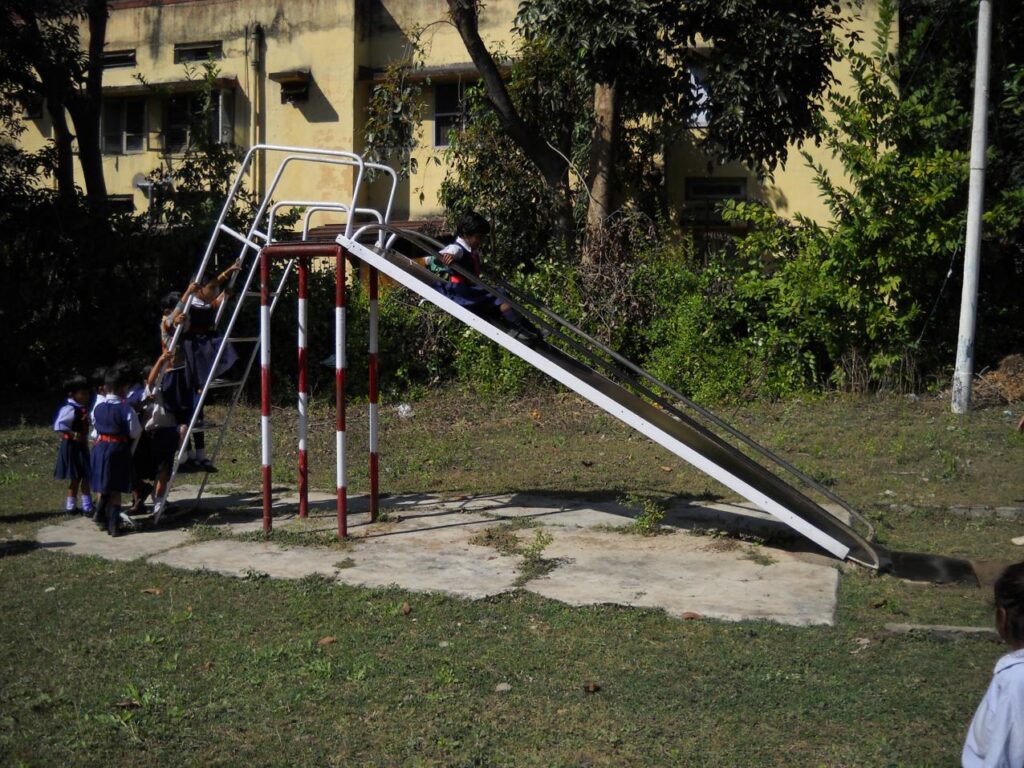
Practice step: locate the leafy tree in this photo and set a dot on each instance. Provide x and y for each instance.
(766, 67)
(41, 57)
(938, 39)
(860, 288)
(487, 169)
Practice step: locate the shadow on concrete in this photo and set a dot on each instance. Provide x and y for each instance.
(701, 514)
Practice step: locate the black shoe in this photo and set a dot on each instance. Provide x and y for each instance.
(114, 522)
(187, 466)
(99, 515)
(525, 336)
(206, 465)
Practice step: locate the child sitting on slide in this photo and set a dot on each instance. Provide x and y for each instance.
(464, 253)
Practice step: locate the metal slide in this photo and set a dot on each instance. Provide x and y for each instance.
(618, 391)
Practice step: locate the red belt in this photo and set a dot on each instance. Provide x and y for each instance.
(71, 435)
(113, 439)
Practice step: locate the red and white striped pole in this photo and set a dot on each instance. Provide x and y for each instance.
(265, 385)
(303, 388)
(339, 386)
(374, 484)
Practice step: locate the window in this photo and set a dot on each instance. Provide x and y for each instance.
(700, 117)
(449, 111)
(124, 126)
(121, 203)
(704, 196)
(118, 59)
(192, 52)
(186, 113)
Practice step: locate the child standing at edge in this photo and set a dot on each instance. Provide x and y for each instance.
(73, 455)
(996, 736)
(117, 426)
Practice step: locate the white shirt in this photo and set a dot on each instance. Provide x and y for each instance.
(93, 434)
(996, 736)
(156, 413)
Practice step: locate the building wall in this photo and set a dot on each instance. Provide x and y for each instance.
(791, 191)
(342, 42)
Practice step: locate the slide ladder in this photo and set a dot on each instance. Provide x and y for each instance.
(242, 304)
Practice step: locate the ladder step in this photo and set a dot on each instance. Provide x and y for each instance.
(259, 294)
(205, 428)
(245, 339)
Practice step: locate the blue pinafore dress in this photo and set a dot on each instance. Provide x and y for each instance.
(112, 455)
(72, 423)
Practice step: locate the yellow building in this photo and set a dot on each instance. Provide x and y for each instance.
(299, 73)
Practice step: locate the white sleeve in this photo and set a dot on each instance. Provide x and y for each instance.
(1006, 739)
(134, 425)
(65, 416)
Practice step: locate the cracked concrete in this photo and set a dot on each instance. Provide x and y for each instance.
(426, 543)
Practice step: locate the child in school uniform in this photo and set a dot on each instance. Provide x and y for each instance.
(199, 343)
(97, 383)
(117, 427)
(161, 432)
(72, 422)
(470, 232)
(995, 738)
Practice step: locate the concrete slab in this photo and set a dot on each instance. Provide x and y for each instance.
(682, 573)
(427, 546)
(244, 558)
(82, 537)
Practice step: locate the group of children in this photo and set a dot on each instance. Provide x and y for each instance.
(135, 419)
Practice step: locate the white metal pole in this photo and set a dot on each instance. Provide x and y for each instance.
(961, 399)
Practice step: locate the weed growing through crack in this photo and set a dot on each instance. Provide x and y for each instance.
(505, 538)
(650, 513)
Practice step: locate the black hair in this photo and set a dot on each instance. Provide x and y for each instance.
(1009, 593)
(118, 375)
(170, 301)
(472, 223)
(98, 377)
(75, 383)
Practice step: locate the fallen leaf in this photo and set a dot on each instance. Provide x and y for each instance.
(208, 666)
(326, 640)
(588, 463)
(502, 688)
(535, 414)
(406, 609)
(592, 687)
(128, 704)
(691, 615)
(666, 469)
(153, 591)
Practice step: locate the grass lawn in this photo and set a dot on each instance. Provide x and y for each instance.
(125, 663)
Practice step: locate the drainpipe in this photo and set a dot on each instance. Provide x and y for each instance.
(259, 106)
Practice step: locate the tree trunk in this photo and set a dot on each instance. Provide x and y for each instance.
(62, 138)
(602, 157)
(87, 108)
(552, 166)
(86, 119)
